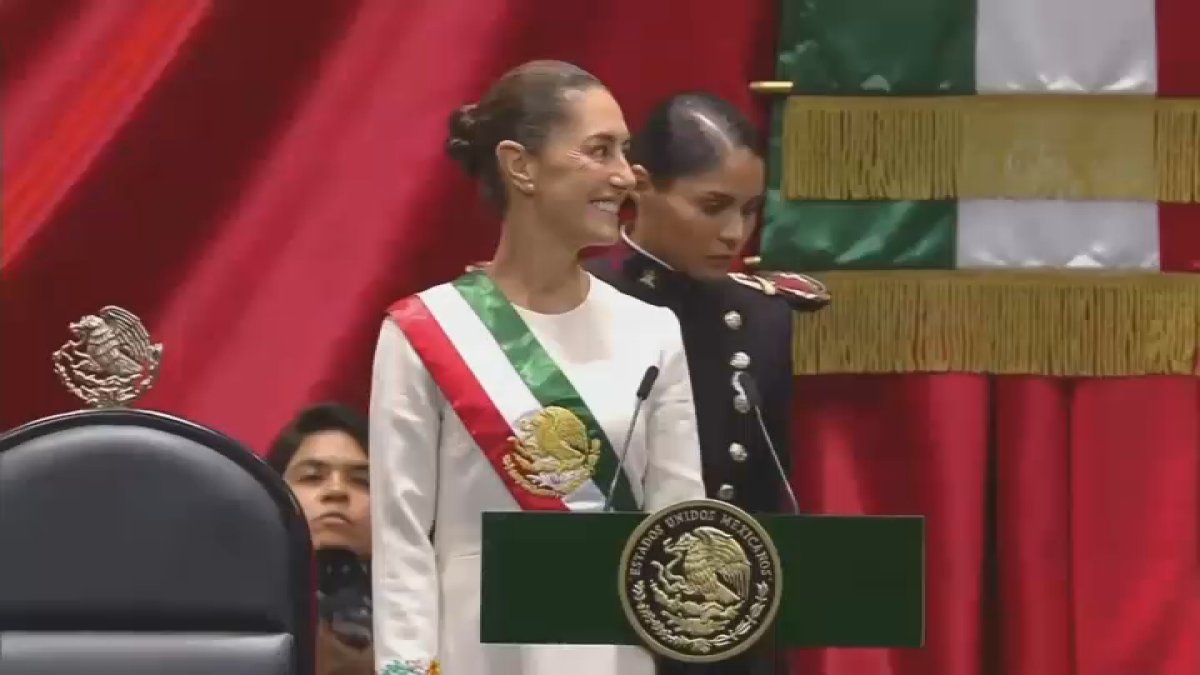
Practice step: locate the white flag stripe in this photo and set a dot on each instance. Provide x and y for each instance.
(496, 375)
(1037, 233)
(1066, 46)
(1062, 46)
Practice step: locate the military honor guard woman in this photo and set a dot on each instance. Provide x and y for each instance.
(512, 387)
(699, 190)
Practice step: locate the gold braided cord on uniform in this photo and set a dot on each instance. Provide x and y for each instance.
(1004, 146)
(1054, 323)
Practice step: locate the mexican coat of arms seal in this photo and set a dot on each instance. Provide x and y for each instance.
(700, 581)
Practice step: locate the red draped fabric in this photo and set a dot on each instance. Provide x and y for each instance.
(1061, 515)
(259, 180)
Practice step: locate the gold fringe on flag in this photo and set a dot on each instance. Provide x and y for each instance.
(1055, 323)
(1044, 146)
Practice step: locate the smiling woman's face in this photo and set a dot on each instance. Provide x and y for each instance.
(581, 175)
(329, 476)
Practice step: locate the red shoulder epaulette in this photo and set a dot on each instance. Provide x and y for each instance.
(801, 291)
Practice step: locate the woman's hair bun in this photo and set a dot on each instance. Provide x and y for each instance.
(523, 106)
(463, 142)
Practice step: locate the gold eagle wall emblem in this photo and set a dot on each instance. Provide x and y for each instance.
(111, 360)
(553, 455)
(700, 581)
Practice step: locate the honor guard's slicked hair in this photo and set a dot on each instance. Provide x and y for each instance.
(688, 134)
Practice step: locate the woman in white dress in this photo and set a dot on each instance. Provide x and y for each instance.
(511, 388)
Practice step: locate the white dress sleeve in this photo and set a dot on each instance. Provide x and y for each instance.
(673, 471)
(405, 428)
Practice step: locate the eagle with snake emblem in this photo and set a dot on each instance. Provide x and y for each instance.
(111, 361)
(700, 581)
(713, 586)
(554, 455)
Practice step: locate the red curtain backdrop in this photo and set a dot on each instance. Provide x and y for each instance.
(1061, 516)
(258, 180)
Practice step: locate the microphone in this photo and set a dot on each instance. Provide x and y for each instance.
(744, 385)
(643, 392)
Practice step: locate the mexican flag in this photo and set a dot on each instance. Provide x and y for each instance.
(991, 185)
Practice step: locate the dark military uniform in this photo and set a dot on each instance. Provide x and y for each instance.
(740, 322)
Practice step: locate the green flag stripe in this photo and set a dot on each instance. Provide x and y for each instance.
(539, 372)
(864, 47)
(816, 236)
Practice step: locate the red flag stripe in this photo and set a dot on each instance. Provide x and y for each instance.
(1178, 75)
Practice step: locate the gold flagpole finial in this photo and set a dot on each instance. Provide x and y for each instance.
(111, 361)
(771, 87)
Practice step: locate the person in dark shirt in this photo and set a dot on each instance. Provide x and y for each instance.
(322, 455)
(700, 187)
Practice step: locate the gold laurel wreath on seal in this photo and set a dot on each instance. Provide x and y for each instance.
(703, 645)
(717, 568)
(554, 455)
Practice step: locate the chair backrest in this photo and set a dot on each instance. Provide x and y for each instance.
(137, 543)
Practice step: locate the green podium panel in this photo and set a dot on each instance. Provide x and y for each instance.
(848, 581)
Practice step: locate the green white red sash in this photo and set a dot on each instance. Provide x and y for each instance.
(505, 388)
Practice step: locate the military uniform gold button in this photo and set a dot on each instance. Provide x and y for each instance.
(738, 452)
(740, 360)
(733, 320)
(725, 492)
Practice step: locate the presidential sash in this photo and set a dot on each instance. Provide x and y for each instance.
(521, 409)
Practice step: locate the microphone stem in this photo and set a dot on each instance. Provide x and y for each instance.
(612, 485)
(643, 392)
(787, 484)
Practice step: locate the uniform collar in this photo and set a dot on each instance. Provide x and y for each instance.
(654, 277)
(641, 251)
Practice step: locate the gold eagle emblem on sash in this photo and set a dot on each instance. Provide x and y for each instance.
(553, 455)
